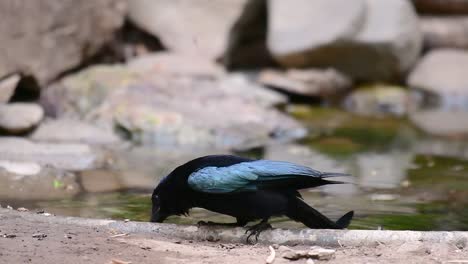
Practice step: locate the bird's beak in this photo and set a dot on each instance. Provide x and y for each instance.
(158, 216)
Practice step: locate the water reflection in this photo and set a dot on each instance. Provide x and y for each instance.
(401, 178)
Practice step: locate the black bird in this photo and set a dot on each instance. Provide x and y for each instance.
(245, 189)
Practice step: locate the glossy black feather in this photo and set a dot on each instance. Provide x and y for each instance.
(243, 188)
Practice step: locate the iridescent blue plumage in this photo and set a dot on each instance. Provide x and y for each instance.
(245, 189)
(251, 175)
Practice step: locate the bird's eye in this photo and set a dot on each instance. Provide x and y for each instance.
(155, 200)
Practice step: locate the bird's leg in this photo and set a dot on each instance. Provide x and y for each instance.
(257, 229)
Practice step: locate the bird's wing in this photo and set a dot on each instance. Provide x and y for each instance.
(259, 174)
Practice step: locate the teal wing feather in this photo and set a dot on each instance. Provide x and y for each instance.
(252, 175)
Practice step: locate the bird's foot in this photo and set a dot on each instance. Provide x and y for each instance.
(255, 230)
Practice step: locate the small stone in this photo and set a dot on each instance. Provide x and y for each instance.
(284, 248)
(9, 236)
(321, 253)
(310, 261)
(22, 209)
(275, 246)
(295, 254)
(9, 207)
(39, 236)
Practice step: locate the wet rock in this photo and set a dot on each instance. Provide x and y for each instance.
(384, 34)
(229, 111)
(379, 99)
(176, 64)
(441, 72)
(33, 181)
(17, 118)
(186, 26)
(442, 123)
(63, 156)
(441, 6)
(383, 170)
(310, 82)
(8, 86)
(68, 130)
(442, 147)
(445, 32)
(45, 38)
(442, 106)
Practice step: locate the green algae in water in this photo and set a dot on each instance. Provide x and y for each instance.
(342, 134)
(439, 173)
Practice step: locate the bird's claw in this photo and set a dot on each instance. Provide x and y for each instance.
(256, 230)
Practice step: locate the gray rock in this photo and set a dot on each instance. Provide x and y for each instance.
(7, 87)
(442, 72)
(442, 106)
(310, 82)
(184, 26)
(62, 156)
(196, 113)
(176, 64)
(76, 95)
(227, 111)
(378, 100)
(18, 118)
(47, 37)
(445, 32)
(442, 123)
(68, 130)
(33, 181)
(384, 34)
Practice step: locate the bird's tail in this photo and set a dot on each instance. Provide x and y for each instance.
(302, 212)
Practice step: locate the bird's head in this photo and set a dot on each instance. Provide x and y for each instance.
(172, 196)
(158, 213)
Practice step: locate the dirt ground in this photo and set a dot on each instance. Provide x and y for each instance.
(36, 241)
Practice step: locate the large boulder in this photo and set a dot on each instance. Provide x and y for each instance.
(158, 107)
(185, 26)
(441, 77)
(47, 37)
(368, 40)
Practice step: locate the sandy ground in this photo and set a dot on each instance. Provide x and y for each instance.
(36, 241)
